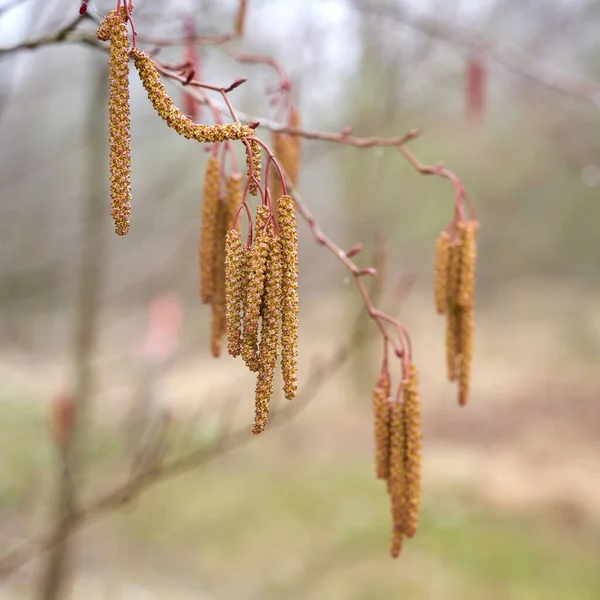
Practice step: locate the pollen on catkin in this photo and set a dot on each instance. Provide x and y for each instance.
(411, 416)
(253, 166)
(165, 107)
(288, 235)
(208, 228)
(467, 233)
(114, 29)
(218, 324)
(381, 419)
(442, 255)
(234, 280)
(255, 285)
(269, 336)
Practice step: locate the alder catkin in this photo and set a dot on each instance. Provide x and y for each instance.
(208, 229)
(234, 281)
(218, 324)
(255, 285)
(269, 336)
(240, 18)
(294, 159)
(253, 166)
(165, 107)
(396, 481)
(381, 419)
(442, 255)
(467, 233)
(467, 327)
(411, 415)
(288, 235)
(114, 29)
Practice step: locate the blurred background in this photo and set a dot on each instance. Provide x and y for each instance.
(505, 94)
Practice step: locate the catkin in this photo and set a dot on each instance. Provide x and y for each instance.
(292, 167)
(467, 327)
(381, 418)
(286, 219)
(397, 476)
(255, 285)
(253, 166)
(234, 280)
(210, 209)
(269, 337)
(467, 233)
(411, 416)
(174, 118)
(442, 255)
(218, 324)
(240, 18)
(114, 28)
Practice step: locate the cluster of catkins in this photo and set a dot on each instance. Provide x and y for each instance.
(454, 285)
(398, 451)
(261, 291)
(114, 30)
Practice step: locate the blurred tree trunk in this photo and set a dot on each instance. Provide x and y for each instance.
(55, 579)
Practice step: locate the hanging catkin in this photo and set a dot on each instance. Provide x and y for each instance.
(269, 336)
(114, 28)
(208, 230)
(286, 219)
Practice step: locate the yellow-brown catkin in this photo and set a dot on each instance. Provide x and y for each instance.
(269, 336)
(114, 28)
(381, 419)
(240, 18)
(174, 118)
(255, 285)
(467, 327)
(288, 235)
(210, 209)
(218, 324)
(440, 282)
(278, 143)
(397, 475)
(233, 197)
(253, 165)
(234, 282)
(411, 409)
(467, 233)
(295, 150)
